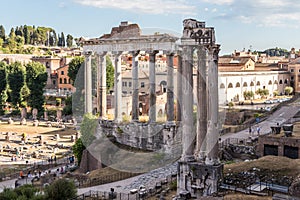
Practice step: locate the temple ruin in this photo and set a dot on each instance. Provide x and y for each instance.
(199, 168)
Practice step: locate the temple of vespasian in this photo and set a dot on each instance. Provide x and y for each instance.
(199, 169)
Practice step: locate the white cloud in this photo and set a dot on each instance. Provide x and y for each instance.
(219, 2)
(273, 13)
(151, 7)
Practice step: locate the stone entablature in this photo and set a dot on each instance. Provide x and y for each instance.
(144, 43)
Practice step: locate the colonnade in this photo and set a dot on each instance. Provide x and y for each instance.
(102, 87)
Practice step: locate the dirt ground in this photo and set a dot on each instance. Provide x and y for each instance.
(32, 150)
(273, 164)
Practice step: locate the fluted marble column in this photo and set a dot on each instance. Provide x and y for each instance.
(102, 104)
(118, 86)
(202, 104)
(187, 104)
(170, 88)
(213, 105)
(135, 86)
(88, 82)
(152, 106)
(179, 88)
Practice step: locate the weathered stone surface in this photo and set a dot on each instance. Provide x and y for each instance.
(89, 162)
(295, 187)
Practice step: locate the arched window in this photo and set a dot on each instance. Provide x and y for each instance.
(65, 81)
(270, 82)
(60, 80)
(285, 81)
(275, 82)
(280, 81)
(251, 84)
(222, 85)
(237, 85)
(258, 83)
(245, 84)
(230, 85)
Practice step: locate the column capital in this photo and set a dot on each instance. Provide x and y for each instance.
(88, 53)
(170, 53)
(214, 51)
(187, 53)
(117, 53)
(101, 54)
(135, 53)
(153, 53)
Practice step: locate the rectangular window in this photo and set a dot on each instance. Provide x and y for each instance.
(62, 72)
(292, 70)
(142, 84)
(129, 84)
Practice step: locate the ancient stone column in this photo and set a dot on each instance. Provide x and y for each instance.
(179, 89)
(135, 86)
(152, 108)
(102, 104)
(187, 104)
(202, 104)
(213, 105)
(170, 89)
(88, 82)
(118, 86)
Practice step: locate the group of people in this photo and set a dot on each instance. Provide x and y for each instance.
(253, 130)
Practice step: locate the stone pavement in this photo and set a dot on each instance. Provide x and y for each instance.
(148, 180)
(282, 115)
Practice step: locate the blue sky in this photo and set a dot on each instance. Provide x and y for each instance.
(238, 24)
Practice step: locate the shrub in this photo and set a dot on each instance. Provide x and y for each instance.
(61, 189)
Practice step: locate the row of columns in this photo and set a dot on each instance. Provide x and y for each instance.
(102, 88)
(206, 148)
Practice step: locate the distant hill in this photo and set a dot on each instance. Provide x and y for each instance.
(275, 52)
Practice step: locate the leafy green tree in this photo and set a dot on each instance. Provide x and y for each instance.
(3, 85)
(61, 189)
(61, 40)
(27, 191)
(78, 149)
(8, 194)
(1, 42)
(88, 128)
(68, 106)
(52, 38)
(36, 79)
(262, 92)
(16, 80)
(12, 40)
(74, 66)
(288, 90)
(110, 71)
(2, 32)
(69, 40)
(275, 93)
(20, 41)
(248, 94)
(25, 92)
(26, 34)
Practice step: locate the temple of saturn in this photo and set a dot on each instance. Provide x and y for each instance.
(199, 168)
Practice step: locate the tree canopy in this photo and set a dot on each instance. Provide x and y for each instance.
(36, 78)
